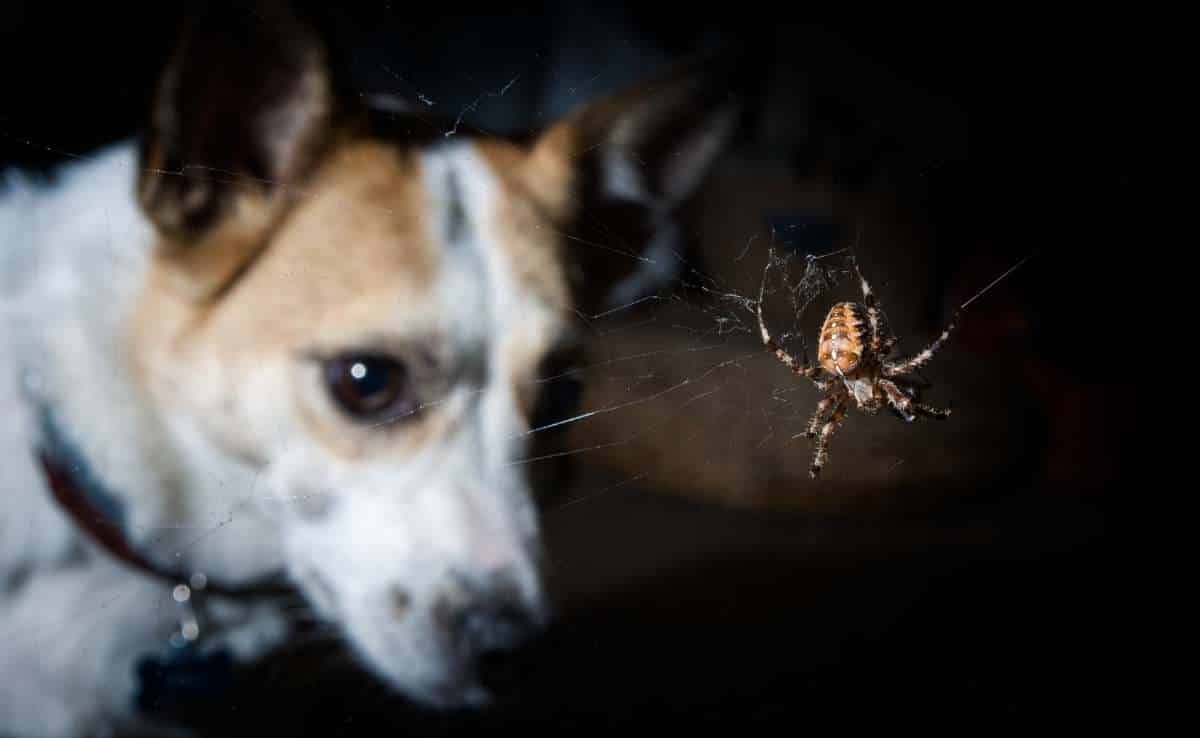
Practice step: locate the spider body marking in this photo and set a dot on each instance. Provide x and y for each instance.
(852, 364)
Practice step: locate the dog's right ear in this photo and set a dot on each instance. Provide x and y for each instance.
(615, 171)
(244, 108)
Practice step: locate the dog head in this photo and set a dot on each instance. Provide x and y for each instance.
(360, 308)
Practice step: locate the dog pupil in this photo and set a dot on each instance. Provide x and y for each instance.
(369, 377)
(366, 384)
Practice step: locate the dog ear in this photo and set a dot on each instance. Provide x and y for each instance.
(242, 112)
(615, 172)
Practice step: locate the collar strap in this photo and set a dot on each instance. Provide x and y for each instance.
(93, 511)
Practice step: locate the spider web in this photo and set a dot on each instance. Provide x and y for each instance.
(712, 328)
(817, 278)
(646, 418)
(681, 396)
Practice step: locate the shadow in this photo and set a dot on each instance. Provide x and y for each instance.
(696, 616)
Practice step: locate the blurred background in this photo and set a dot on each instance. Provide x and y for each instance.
(940, 572)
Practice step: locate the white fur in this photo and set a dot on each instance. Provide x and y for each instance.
(457, 507)
(67, 249)
(74, 622)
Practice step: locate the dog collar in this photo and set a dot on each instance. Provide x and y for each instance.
(95, 510)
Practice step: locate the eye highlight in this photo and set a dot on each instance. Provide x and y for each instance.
(370, 387)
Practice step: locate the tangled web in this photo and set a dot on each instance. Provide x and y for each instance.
(817, 278)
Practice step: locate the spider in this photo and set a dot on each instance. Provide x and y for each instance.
(852, 363)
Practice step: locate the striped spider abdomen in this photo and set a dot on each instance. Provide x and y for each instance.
(853, 368)
(845, 340)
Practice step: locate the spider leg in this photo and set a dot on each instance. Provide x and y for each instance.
(931, 412)
(799, 366)
(898, 400)
(868, 294)
(912, 385)
(907, 406)
(882, 341)
(892, 368)
(821, 455)
(887, 343)
(822, 411)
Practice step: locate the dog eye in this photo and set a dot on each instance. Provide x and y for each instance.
(370, 387)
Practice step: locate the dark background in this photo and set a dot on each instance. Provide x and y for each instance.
(992, 593)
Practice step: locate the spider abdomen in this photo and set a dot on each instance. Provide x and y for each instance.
(845, 339)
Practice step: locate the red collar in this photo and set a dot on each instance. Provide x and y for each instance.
(68, 491)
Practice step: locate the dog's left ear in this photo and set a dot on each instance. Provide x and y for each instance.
(635, 156)
(243, 110)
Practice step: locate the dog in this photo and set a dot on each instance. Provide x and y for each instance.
(292, 339)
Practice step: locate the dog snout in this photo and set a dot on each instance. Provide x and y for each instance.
(480, 615)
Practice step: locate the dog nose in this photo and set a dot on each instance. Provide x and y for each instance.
(482, 615)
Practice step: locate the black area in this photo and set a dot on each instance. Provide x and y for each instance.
(797, 233)
(183, 678)
(74, 79)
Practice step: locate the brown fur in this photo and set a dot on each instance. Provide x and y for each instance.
(526, 227)
(338, 269)
(351, 262)
(355, 237)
